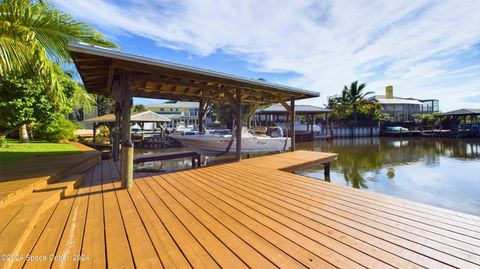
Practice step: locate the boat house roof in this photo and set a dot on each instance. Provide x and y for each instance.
(299, 109)
(152, 78)
(146, 116)
(461, 112)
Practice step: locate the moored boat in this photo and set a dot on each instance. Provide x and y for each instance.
(218, 144)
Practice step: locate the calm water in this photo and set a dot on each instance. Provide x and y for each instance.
(440, 172)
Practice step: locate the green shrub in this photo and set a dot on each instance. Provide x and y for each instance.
(103, 134)
(59, 131)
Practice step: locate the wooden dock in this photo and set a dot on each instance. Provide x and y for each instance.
(249, 214)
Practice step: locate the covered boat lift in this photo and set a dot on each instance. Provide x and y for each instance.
(310, 112)
(139, 118)
(123, 76)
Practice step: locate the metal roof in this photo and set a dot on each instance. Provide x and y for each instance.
(461, 112)
(146, 116)
(399, 101)
(154, 78)
(299, 109)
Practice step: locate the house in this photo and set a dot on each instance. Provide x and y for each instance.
(403, 109)
(179, 112)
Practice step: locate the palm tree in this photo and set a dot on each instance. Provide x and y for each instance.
(354, 96)
(34, 37)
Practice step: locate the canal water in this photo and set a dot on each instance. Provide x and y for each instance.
(439, 172)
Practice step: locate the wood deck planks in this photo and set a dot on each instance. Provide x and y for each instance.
(93, 243)
(266, 236)
(222, 255)
(249, 214)
(311, 213)
(71, 243)
(351, 206)
(119, 254)
(143, 252)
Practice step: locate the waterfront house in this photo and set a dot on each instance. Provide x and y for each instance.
(179, 112)
(401, 108)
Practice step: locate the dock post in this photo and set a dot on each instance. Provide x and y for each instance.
(126, 166)
(238, 123)
(326, 169)
(292, 122)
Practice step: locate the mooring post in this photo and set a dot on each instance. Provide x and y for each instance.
(326, 169)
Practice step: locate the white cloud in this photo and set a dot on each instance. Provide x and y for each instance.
(415, 45)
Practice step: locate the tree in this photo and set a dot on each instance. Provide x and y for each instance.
(139, 108)
(428, 120)
(354, 96)
(33, 37)
(23, 101)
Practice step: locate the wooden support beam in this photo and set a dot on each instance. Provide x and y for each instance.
(292, 122)
(126, 168)
(201, 113)
(116, 131)
(238, 123)
(94, 131)
(251, 112)
(286, 106)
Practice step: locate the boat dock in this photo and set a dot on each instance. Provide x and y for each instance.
(247, 214)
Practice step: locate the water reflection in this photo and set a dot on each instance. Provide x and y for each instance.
(441, 172)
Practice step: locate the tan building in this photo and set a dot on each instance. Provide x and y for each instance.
(180, 113)
(402, 109)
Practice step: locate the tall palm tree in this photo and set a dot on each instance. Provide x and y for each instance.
(34, 38)
(354, 96)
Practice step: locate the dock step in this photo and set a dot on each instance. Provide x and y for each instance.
(19, 219)
(14, 190)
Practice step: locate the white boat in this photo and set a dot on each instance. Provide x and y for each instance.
(217, 144)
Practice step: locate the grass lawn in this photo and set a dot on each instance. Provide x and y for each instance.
(16, 151)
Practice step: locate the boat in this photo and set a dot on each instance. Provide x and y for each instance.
(211, 144)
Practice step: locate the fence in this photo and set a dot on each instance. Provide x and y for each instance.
(350, 132)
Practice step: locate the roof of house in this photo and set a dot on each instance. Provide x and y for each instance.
(461, 112)
(99, 68)
(299, 109)
(146, 116)
(396, 101)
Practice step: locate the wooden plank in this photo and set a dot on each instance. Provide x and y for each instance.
(93, 244)
(118, 248)
(33, 237)
(71, 243)
(222, 255)
(264, 239)
(166, 156)
(168, 251)
(48, 242)
(143, 252)
(303, 214)
(246, 253)
(253, 209)
(339, 205)
(373, 199)
(197, 256)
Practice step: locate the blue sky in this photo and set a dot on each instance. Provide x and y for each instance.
(425, 49)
